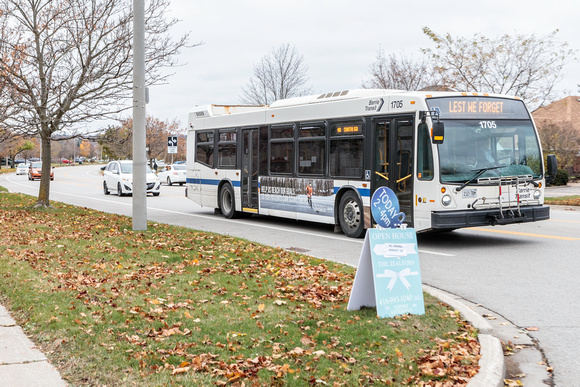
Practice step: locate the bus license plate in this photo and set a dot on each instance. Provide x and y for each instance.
(469, 193)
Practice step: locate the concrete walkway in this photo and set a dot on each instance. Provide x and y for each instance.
(21, 363)
(566, 190)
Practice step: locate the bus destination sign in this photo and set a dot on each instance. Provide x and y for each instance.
(475, 107)
(349, 129)
(478, 107)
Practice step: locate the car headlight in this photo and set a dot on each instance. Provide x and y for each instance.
(446, 200)
(537, 194)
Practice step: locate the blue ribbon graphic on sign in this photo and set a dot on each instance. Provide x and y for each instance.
(393, 275)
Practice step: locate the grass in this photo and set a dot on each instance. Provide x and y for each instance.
(173, 306)
(573, 200)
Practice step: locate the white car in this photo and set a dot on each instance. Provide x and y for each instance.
(174, 173)
(22, 169)
(118, 176)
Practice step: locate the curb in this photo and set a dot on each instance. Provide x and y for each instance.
(492, 364)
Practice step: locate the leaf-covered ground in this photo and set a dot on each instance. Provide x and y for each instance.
(573, 200)
(172, 306)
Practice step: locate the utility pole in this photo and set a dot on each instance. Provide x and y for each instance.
(139, 117)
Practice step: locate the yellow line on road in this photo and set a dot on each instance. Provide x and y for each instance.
(565, 221)
(524, 234)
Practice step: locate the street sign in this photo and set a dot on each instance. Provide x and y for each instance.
(172, 144)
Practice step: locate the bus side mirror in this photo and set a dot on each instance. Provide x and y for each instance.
(438, 132)
(552, 168)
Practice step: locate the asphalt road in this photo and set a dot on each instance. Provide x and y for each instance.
(527, 273)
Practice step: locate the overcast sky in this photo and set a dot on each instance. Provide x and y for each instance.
(338, 38)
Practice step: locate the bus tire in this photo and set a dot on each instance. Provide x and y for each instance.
(227, 202)
(351, 215)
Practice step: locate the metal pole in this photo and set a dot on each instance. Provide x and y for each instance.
(139, 118)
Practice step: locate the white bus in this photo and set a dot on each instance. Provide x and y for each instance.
(453, 159)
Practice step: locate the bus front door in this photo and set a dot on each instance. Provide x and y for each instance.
(250, 170)
(393, 161)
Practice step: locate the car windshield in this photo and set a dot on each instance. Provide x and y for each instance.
(503, 147)
(179, 167)
(36, 165)
(128, 168)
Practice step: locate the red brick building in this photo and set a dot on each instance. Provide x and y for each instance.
(564, 113)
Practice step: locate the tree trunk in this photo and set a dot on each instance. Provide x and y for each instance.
(44, 190)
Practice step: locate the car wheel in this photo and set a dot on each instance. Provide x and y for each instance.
(156, 193)
(169, 181)
(351, 216)
(105, 188)
(181, 184)
(227, 202)
(119, 191)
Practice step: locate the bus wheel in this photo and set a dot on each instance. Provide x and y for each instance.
(228, 202)
(350, 215)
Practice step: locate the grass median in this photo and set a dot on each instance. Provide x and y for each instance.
(572, 200)
(173, 306)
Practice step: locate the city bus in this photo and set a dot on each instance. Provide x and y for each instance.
(453, 159)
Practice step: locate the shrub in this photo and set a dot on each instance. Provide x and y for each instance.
(561, 178)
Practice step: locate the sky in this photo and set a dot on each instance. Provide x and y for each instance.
(339, 40)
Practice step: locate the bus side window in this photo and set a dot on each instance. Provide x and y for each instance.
(424, 154)
(282, 150)
(346, 149)
(227, 148)
(204, 148)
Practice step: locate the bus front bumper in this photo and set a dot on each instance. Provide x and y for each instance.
(492, 217)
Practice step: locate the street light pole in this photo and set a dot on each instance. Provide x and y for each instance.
(139, 117)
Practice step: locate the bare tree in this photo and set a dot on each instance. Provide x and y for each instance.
(524, 66)
(280, 74)
(400, 73)
(69, 62)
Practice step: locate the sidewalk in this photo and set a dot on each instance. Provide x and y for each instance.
(21, 363)
(562, 190)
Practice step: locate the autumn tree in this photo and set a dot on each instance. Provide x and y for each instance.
(527, 66)
(400, 72)
(68, 62)
(280, 74)
(117, 140)
(12, 146)
(561, 139)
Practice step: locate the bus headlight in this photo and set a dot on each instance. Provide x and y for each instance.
(446, 200)
(537, 194)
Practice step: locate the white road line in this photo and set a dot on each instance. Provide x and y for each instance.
(214, 218)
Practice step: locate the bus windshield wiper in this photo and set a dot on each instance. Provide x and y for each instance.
(479, 173)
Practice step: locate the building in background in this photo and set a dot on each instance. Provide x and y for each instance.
(559, 127)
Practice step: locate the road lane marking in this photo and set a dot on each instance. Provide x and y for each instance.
(564, 221)
(524, 234)
(213, 217)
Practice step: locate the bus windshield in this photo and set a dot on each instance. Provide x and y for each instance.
(502, 147)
